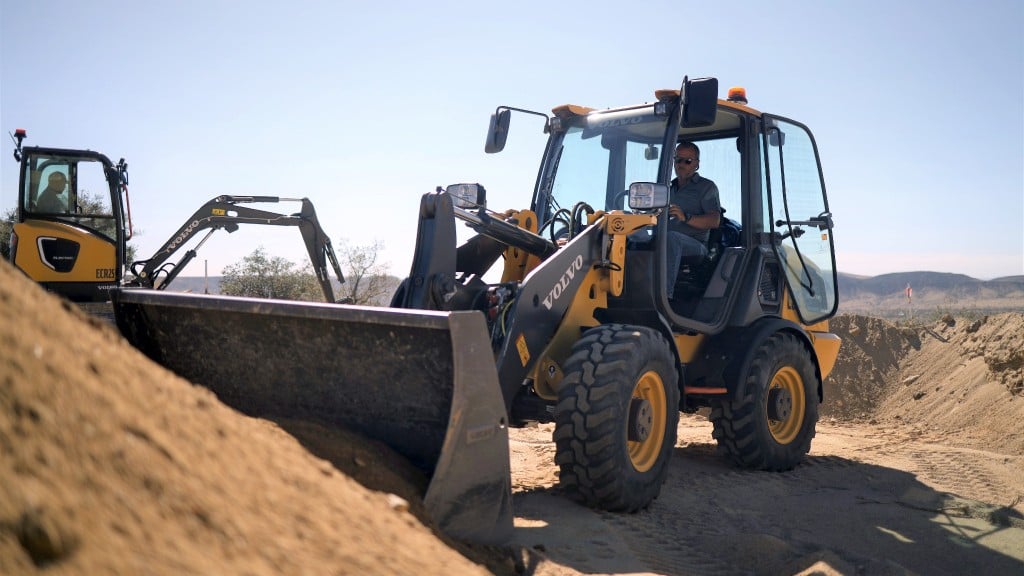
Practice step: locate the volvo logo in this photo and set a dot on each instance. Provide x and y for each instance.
(556, 291)
(619, 122)
(183, 236)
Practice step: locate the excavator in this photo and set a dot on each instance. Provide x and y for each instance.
(582, 329)
(227, 213)
(74, 221)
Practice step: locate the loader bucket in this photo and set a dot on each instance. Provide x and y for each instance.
(424, 383)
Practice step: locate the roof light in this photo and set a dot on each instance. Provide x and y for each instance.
(738, 94)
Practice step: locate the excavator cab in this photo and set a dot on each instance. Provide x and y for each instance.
(72, 222)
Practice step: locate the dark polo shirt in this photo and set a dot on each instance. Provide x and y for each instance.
(699, 196)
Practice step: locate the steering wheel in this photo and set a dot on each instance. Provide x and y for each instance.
(618, 199)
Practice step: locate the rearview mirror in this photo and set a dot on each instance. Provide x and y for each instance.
(700, 102)
(647, 195)
(497, 132)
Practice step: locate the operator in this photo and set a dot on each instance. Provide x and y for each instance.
(694, 211)
(49, 199)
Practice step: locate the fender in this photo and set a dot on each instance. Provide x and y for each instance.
(729, 354)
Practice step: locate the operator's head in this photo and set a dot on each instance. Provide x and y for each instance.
(57, 181)
(687, 160)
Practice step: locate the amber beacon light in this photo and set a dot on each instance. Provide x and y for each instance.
(738, 94)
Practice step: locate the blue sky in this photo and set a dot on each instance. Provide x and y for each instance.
(917, 107)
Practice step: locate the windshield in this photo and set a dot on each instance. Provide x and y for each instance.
(69, 188)
(599, 156)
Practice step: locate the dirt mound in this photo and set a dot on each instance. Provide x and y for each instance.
(957, 378)
(997, 339)
(109, 464)
(871, 351)
(964, 383)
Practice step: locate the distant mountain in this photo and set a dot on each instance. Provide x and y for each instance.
(850, 285)
(883, 295)
(196, 285)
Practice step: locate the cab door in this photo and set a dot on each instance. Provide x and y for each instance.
(799, 219)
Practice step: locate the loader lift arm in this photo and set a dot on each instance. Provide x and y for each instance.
(225, 212)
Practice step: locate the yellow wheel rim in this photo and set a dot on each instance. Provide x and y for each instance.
(644, 453)
(785, 405)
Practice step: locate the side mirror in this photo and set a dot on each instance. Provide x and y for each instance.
(699, 102)
(497, 132)
(647, 196)
(467, 196)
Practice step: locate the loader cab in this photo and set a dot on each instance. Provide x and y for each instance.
(769, 180)
(72, 228)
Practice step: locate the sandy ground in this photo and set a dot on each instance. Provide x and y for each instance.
(111, 465)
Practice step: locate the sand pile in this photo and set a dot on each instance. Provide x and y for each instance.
(111, 465)
(960, 378)
(871, 351)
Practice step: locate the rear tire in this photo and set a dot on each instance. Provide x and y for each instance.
(616, 419)
(771, 427)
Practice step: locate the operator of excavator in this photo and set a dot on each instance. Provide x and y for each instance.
(694, 211)
(50, 198)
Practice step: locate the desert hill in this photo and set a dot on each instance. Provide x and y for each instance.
(109, 464)
(934, 293)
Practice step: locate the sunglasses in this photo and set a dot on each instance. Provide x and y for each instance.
(685, 160)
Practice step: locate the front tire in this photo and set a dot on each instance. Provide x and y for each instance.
(616, 419)
(771, 426)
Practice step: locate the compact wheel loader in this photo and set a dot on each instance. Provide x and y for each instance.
(579, 330)
(74, 222)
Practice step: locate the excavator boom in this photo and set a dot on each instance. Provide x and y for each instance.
(226, 212)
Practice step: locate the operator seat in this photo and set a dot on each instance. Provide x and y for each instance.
(695, 272)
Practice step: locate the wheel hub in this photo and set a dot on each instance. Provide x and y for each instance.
(780, 404)
(641, 419)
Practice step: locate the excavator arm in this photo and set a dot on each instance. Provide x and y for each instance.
(224, 212)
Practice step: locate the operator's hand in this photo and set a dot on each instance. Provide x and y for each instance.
(676, 212)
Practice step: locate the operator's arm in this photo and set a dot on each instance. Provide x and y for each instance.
(710, 205)
(707, 221)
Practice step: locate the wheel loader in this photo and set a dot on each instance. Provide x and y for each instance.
(581, 328)
(77, 246)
